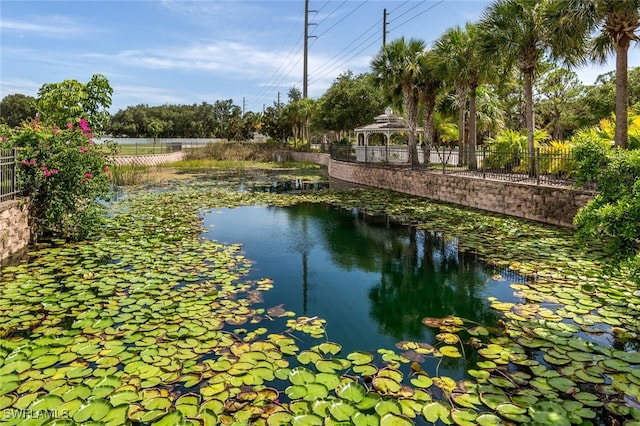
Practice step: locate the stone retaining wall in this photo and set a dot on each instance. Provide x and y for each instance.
(15, 231)
(552, 205)
(148, 160)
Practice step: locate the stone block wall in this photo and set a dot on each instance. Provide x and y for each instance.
(552, 205)
(15, 230)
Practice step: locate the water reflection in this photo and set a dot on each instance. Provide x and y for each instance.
(373, 280)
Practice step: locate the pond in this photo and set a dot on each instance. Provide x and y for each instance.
(210, 302)
(372, 279)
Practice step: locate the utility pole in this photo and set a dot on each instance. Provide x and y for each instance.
(384, 27)
(243, 105)
(305, 71)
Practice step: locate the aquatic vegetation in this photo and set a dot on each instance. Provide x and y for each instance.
(153, 324)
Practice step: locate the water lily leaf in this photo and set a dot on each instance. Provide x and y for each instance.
(369, 401)
(512, 412)
(171, 418)
(301, 376)
(296, 391)
(342, 410)
(281, 418)
(360, 358)
(329, 365)
(123, 397)
(435, 411)
(316, 391)
(351, 391)
(464, 417)
(562, 384)
(365, 370)
(330, 380)
(450, 351)
(549, 412)
(307, 420)
(422, 381)
(393, 419)
(386, 384)
(46, 402)
(329, 348)
(492, 400)
(308, 357)
(388, 406)
(488, 419)
(94, 409)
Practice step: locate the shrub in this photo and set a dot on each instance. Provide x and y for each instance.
(64, 173)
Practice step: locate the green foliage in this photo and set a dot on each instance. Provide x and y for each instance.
(64, 173)
(613, 216)
(14, 109)
(508, 150)
(591, 152)
(70, 100)
(351, 101)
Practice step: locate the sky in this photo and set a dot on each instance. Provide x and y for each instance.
(158, 52)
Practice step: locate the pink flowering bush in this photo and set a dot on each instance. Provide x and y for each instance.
(65, 175)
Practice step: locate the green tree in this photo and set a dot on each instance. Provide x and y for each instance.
(558, 90)
(616, 24)
(350, 101)
(515, 33)
(70, 100)
(397, 67)
(17, 108)
(462, 61)
(429, 87)
(599, 99)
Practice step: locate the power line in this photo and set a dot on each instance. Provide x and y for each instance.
(418, 14)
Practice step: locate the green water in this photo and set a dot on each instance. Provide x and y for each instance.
(371, 279)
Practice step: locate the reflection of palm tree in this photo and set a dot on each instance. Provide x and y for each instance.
(440, 282)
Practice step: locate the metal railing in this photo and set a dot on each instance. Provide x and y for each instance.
(8, 181)
(547, 165)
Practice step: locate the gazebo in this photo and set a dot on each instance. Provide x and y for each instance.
(393, 131)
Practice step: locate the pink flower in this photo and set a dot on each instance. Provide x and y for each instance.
(106, 169)
(83, 149)
(47, 174)
(56, 130)
(43, 168)
(4, 139)
(69, 125)
(84, 125)
(88, 175)
(32, 162)
(54, 171)
(24, 162)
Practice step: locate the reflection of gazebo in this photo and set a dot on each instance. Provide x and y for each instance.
(389, 125)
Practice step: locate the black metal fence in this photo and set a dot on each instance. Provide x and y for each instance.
(547, 165)
(8, 182)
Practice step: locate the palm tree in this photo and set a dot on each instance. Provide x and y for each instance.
(429, 86)
(451, 51)
(514, 32)
(397, 68)
(461, 60)
(573, 22)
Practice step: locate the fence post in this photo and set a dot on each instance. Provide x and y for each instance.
(444, 161)
(537, 166)
(484, 149)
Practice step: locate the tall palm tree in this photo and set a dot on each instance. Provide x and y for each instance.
(514, 33)
(429, 86)
(462, 60)
(451, 51)
(397, 68)
(573, 22)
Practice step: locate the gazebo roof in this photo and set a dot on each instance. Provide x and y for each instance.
(385, 122)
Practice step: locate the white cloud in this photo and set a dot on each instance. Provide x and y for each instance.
(16, 85)
(46, 26)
